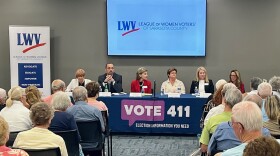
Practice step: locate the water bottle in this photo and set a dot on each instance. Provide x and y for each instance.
(196, 91)
(142, 90)
(100, 89)
(106, 87)
(162, 92)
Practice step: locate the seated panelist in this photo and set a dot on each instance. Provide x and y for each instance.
(202, 83)
(111, 79)
(141, 84)
(173, 85)
(79, 81)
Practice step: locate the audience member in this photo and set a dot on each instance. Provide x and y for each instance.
(111, 79)
(93, 91)
(62, 121)
(81, 110)
(201, 82)
(262, 146)
(231, 97)
(275, 84)
(4, 137)
(40, 137)
(141, 84)
(3, 97)
(264, 90)
(272, 109)
(57, 85)
(235, 78)
(246, 122)
(173, 85)
(217, 96)
(33, 95)
(254, 83)
(224, 137)
(220, 108)
(15, 113)
(78, 81)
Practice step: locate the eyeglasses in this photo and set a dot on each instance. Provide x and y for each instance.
(230, 123)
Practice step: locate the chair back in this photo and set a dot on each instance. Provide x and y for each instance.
(91, 135)
(71, 141)
(106, 122)
(12, 138)
(44, 152)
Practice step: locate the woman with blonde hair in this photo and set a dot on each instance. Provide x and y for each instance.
(78, 81)
(4, 137)
(201, 82)
(15, 113)
(235, 78)
(141, 84)
(33, 95)
(272, 109)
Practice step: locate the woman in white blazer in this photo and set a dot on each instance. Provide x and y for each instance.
(79, 81)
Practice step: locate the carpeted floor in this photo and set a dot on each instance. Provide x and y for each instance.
(131, 145)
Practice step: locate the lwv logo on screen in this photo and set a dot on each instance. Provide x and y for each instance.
(128, 26)
(29, 39)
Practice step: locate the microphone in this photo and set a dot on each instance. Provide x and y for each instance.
(154, 89)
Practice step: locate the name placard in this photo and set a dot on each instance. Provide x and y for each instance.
(173, 95)
(105, 94)
(135, 95)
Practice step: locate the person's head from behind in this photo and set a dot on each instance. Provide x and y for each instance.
(220, 83)
(80, 75)
(80, 94)
(217, 96)
(275, 83)
(142, 74)
(172, 73)
(93, 89)
(254, 98)
(272, 107)
(255, 82)
(15, 94)
(264, 90)
(3, 96)
(41, 114)
(4, 131)
(226, 87)
(33, 95)
(234, 76)
(232, 97)
(201, 74)
(246, 120)
(262, 146)
(60, 101)
(58, 85)
(109, 69)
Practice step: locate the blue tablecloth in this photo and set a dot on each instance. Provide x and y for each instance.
(155, 115)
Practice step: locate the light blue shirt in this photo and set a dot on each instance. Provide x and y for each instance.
(237, 151)
(84, 112)
(224, 138)
(265, 118)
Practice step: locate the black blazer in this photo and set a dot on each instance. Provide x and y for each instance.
(208, 87)
(116, 88)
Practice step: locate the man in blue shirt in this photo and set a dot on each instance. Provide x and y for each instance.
(81, 110)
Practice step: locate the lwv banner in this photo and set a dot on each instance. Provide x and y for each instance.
(30, 57)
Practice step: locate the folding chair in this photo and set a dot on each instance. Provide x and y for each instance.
(44, 152)
(71, 141)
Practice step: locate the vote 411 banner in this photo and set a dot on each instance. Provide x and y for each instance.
(30, 57)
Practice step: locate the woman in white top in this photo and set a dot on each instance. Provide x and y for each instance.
(15, 113)
(173, 85)
(202, 83)
(79, 81)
